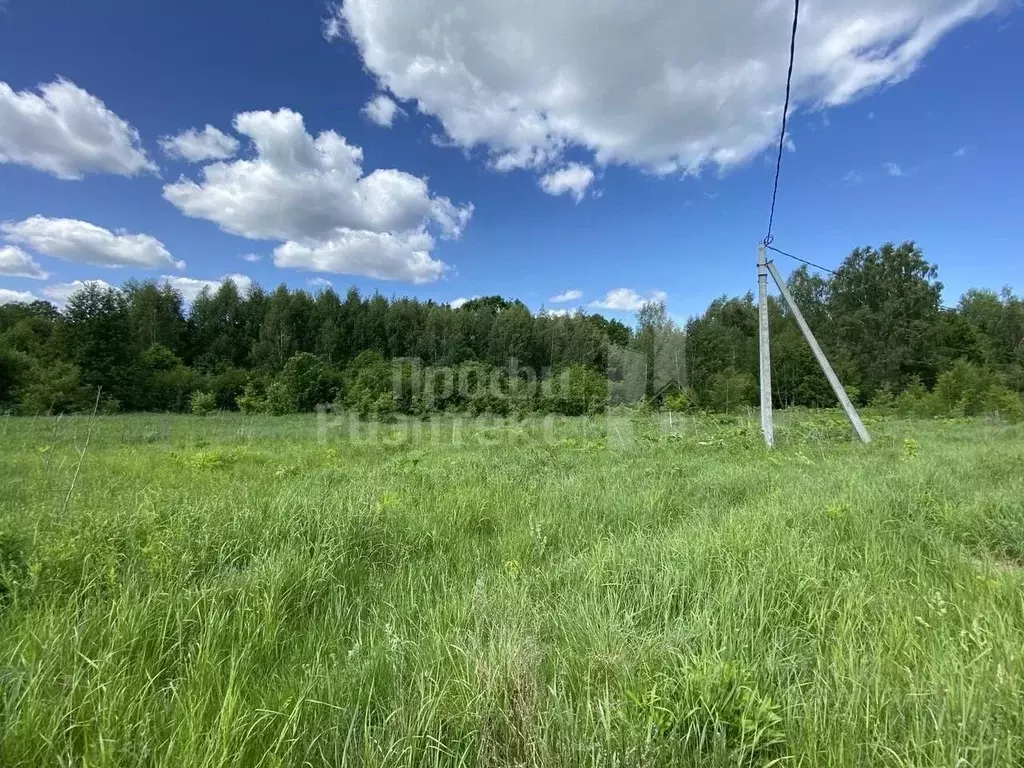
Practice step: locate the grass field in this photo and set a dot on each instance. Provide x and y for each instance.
(235, 591)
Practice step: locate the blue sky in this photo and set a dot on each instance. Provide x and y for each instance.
(653, 123)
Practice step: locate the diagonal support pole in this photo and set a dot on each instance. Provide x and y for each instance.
(837, 387)
(767, 426)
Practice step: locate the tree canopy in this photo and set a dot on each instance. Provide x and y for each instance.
(880, 319)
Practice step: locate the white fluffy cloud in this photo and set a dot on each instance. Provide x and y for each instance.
(312, 194)
(319, 282)
(570, 295)
(627, 300)
(298, 187)
(16, 297)
(190, 287)
(665, 85)
(80, 241)
(381, 255)
(66, 131)
(572, 179)
(196, 146)
(460, 302)
(14, 262)
(61, 292)
(382, 110)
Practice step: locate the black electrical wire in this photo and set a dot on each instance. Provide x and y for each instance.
(785, 114)
(802, 261)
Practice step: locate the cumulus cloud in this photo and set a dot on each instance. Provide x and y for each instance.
(196, 146)
(14, 262)
(312, 194)
(299, 187)
(66, 131)
(667, 86)
(853, 177)
(627, 300)
(82, 242)
(319, 282)
(252, 258)
(382, 110)
(381, 255)
(460, 302)
(16, 297)
(190, 287)
(570, 295)
(61, 292)
(572, 179)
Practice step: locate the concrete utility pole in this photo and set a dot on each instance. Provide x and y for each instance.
(767, 426)
(837, 387)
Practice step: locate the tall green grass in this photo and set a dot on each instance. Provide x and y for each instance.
(231, 591)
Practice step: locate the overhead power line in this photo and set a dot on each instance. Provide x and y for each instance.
(782, 145)
(785, 114)
(802, 261)
(767, 267)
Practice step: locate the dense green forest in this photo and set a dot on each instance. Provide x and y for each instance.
(880, 319)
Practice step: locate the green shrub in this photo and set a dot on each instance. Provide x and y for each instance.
(203, 403)
(439, 391)
(15, 370)
(964, 390)
(1002, 401)
(107, 405)
(384, 407)
(484, 401)
(730, 390)
(680, 401)
(227, 386)
(168, 388)
(310, 381)
(157, 357)
(883, 399)
(961, 389)
(575, 391)
(405, 382)
(279, 400)
(968, 390)
(915, 400)
(252, 399)
(366, 379)
(55, 389)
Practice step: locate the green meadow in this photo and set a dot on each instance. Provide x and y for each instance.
(265, 591)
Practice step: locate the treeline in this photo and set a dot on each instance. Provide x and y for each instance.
(881, 321)
(286, 351)
(879, 318)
